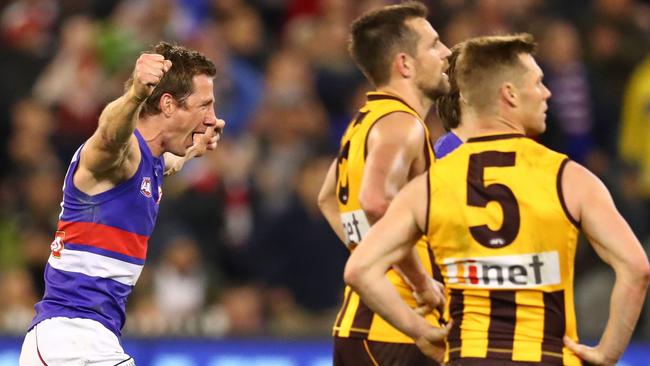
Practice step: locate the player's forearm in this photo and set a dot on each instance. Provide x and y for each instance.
(328, 204)
(626, 302)
(413, 271)
(174, 163)
(373, 204)
(382, 298)
(329, 208)
(117, 121)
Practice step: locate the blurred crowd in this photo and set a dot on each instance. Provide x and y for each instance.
(240, 248)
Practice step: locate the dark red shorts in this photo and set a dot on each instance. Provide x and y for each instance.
(361, 352)
(470, 361)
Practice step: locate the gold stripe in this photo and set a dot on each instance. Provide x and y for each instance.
(503, 350)
(365, 345)
(500, 350)
(346, 293)
(569, 358)
(529, 328)
(476, 322)
(348, 317)
(552, 354)
(352, 329)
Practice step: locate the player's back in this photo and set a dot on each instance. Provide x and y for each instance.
(505, 244)
(355, 319)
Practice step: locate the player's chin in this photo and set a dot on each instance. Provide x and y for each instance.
(540, 128)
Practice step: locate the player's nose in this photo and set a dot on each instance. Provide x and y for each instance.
(446, 52)
(211, 119)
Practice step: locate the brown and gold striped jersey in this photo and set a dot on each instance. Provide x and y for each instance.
(505, 245)
(355, 319)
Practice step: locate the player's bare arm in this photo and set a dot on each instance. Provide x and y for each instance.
(390, 240)
(589, 202)
(328, 204)
(395, 146)
(110, 155)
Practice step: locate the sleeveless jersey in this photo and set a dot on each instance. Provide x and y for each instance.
(505, 245)
(355, 319)
(100, 245)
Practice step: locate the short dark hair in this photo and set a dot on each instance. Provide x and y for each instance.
(448, 105)
(378, 35)
(485, 62)
(177, 81)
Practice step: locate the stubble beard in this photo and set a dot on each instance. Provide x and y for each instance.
(440, 89)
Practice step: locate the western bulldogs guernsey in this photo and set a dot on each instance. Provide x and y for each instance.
(101, 245)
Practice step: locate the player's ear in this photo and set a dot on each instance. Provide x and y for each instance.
(403, 64)
(508, 93)
(167, 104)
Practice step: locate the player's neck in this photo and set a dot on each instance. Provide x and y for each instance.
(152, 134)
(409, 94)
(477, 124)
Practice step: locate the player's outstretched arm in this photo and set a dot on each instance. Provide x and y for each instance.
(390, 240)
(589, 201)
(112, 145)
(327, 202)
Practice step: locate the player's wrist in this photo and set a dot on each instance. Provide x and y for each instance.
(136, 97)
(421, 284)
(421, 329)
(608, 357)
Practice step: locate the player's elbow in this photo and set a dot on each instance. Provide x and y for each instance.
(355, 273)
(374, 206)
(638, 272)
(323, 199)
(644, 273)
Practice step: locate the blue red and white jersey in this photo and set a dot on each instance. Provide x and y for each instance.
(446, 144)
(101, 245)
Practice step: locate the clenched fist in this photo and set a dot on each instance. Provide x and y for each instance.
(149, 70)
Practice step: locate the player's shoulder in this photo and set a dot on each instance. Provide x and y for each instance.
(539, 153)
(398, 126)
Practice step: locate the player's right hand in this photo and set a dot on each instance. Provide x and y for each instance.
(592, 355)
(432, 343)
(430, 298)
(149, 70)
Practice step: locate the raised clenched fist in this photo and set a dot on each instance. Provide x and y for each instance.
(149, 70)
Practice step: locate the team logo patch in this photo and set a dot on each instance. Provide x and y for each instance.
(145, 187)
(57, 245)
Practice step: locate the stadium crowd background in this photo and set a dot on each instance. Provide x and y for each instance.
(240, 247)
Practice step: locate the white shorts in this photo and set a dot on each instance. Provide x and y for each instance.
(72, 342)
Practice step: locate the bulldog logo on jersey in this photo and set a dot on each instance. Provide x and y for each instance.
(57, 245)
(145, 187)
